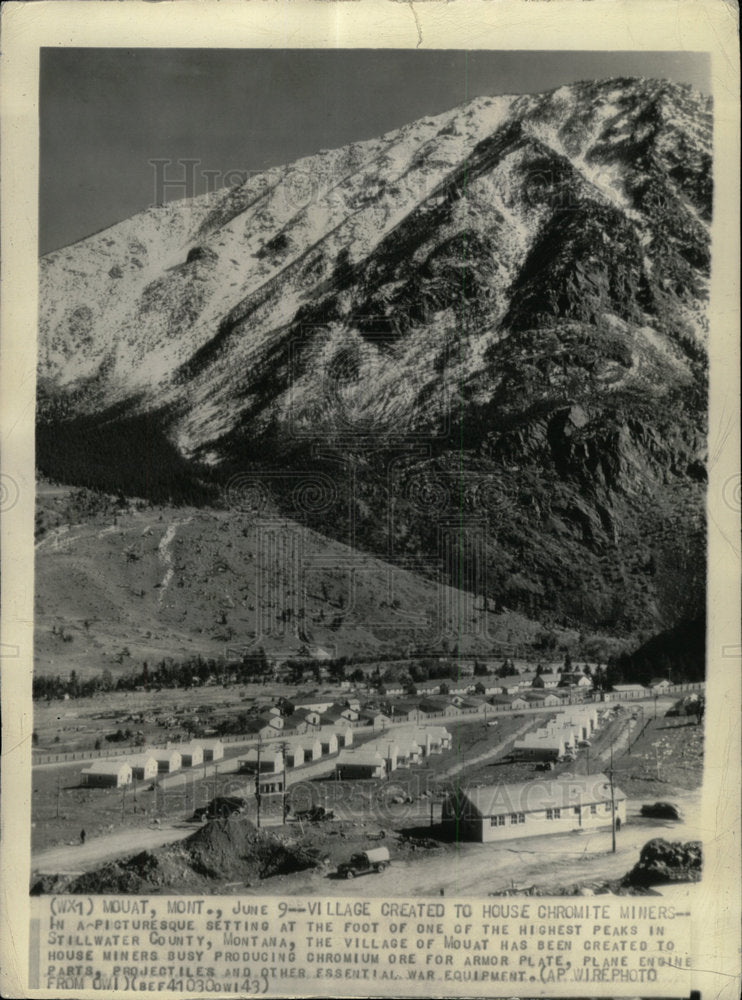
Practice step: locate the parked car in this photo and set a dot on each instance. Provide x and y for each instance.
(374, 860)
(584, 743)
(545, 765)
(661, 810)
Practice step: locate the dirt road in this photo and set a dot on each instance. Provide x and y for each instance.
(75, 858)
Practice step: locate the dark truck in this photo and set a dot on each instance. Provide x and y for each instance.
(316, 814)
(375, 859)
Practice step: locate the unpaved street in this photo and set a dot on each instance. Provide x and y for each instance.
(71, 859)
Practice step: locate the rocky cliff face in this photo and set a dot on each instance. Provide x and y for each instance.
(481, 337)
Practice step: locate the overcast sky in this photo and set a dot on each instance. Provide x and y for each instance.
(106, 113)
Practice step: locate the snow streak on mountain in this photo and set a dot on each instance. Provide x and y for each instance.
(497, 313)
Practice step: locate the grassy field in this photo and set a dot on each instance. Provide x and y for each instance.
(667, 755)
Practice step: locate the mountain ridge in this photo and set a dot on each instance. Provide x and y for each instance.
(515, 288)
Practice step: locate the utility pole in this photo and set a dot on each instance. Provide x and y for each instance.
(257, 788)
(285, 782)
(613, 807)
(123, 801)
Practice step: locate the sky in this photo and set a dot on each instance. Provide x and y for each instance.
(107, 114)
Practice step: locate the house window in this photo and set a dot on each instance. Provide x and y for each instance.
(593, 810)
(607, 807)
(497, 820)
(577, 810)
(553, 813)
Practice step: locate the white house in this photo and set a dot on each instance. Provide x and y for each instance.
(629, 690)
(168, 760)
(143, 767)
(311, 746)
(409, 751)
(344, 735)
(315, 704)
(547, 679)
(191, 754)
(329, 743)
(107, 774)
(213, 749)
(294, 755)
(439, 736)
(659, 684)
(271, 760)
(511, 684)
(387, 748)
(361, 764)
(308, 715)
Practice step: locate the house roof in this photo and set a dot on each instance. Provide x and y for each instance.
(106, 766)
(658, 680)
(141, 758)
(403, 707)
(308, 743)
(265, 752)
(543, 741)
(255, 726)
(534, 796)
(364, 758)
(302, 711)
(629, 687)
(434, 704)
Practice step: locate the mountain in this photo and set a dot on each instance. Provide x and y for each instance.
(475, 346)
(120, 583)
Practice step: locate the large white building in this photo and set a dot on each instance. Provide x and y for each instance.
(534, 808)
(107, 774)
(539, 746)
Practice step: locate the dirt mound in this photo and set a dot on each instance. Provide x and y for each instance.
(661, 861)
(224, 849)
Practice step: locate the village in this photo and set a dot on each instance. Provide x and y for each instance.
(481, 760)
